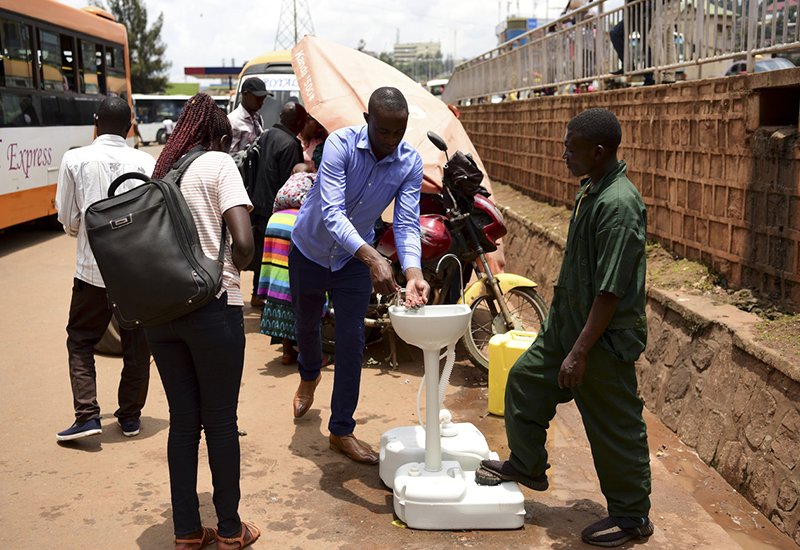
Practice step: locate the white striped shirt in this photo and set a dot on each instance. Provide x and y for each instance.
(211, 185)
(84, 178)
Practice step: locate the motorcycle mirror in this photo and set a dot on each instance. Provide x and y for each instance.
(437, 141)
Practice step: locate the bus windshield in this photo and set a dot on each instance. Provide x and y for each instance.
(275, 69)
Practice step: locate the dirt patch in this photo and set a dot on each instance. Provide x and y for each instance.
(554, 219)
(782, 335)
(665, 271)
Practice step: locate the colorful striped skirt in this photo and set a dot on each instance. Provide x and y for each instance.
(277, 317)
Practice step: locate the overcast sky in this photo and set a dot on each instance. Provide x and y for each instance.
(204, 32)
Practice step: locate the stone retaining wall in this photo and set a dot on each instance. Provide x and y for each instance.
(734, 401)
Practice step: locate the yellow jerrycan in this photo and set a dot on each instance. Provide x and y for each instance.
(504, 350)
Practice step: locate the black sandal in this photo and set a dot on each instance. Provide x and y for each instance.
(609, 533)
(494, 472)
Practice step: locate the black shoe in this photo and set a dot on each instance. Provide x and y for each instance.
(130, 427)
(494, 472)
(616, 531)
(80, 429)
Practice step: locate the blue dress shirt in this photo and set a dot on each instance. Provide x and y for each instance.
(351, 191)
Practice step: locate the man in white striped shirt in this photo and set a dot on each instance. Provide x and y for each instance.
(84, 178)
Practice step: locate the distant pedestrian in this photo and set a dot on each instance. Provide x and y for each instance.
(245, 119)
(638, 25)
(169, 127)
(587, 348)
(200, 356)
(279, 151)
(312, 136)
(84, 177)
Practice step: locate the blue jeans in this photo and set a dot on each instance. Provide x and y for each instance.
(350, 289)
(200, 358)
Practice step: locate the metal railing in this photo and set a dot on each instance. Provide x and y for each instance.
(648, 38)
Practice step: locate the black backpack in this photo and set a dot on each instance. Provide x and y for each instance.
(246, 162)
(148, 250)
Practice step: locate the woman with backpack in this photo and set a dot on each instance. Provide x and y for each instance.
(200, 356)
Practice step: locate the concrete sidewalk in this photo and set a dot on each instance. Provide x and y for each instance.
(112, 492)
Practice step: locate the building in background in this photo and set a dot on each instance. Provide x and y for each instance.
(408, 53)
(513, 27)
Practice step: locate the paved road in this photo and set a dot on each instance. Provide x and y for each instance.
(112, 492)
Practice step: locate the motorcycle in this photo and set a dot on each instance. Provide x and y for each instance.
(461, 223)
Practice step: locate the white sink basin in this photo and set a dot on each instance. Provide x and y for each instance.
(430, 327)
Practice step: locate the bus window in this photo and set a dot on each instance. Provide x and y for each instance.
(115, 71)
(50, 77)
(16, 54)
(88, 68)
(18, 111)
(68, 62)
(101, 69)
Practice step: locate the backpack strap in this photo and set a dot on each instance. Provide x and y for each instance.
(174, 177)
(181, 165)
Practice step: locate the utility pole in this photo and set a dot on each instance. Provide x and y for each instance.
(294, 23)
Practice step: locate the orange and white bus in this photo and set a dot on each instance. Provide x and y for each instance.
(57, 63)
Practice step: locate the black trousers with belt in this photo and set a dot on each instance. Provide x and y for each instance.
(89, 316)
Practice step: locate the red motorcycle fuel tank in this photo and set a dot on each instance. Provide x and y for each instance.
(435, 237)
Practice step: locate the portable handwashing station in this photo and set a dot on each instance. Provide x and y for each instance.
(432, 469)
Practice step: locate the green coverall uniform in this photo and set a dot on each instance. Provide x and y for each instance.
(605, 252)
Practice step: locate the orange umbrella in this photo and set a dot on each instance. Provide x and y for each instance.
(336, 82)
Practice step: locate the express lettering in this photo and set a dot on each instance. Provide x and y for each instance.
(24, 159)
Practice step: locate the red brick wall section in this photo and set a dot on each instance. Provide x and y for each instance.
(718, 188)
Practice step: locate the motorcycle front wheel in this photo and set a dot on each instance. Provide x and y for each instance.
(527, 309)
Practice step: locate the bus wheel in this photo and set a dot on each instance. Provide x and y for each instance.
(161, 136)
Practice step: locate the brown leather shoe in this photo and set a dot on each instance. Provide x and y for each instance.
(353, 449)
(304, 396)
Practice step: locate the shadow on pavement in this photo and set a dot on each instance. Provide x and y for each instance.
(113, 435)
(20, 237)
(150, 426)
(341, 477)
(162, 535)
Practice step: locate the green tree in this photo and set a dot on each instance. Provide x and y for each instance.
(148, 65)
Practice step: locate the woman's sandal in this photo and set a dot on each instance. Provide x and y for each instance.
(237, 543)
(209, 535)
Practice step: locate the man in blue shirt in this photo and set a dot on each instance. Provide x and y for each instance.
(364, 168)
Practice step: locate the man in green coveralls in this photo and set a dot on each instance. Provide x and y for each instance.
(586, 350)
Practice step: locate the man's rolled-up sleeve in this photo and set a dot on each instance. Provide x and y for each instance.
(69, 213)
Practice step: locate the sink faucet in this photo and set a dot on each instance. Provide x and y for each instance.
(460, 272)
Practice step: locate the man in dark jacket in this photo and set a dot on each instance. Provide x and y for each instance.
(280, 151)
